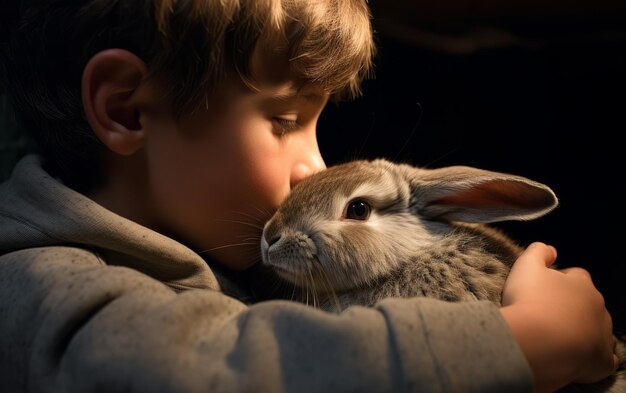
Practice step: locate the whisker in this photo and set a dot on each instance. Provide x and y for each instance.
(240, 222)
(283, 287)
(314, 290)
(248, 232)
(256, 238)
(258, 219)
(293, 292)
(359, 153)
(413, 130)
(324, 280)
(449, 152)
(330, 290)
(305, 282)
(311, 286)
(226, 246)
(304, 289)
(252, 252)
(262, 211)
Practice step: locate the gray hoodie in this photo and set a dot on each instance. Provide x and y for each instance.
(93, 302)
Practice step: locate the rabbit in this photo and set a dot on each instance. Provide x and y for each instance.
(365, 230)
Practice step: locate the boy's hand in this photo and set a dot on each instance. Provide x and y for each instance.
(559, 320)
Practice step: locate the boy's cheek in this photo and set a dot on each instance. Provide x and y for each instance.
(261, 174)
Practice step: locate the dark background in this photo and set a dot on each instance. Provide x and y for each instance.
(537, 95)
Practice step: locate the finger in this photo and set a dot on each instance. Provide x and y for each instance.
(616, 359)
(579, 271)
(600, 372)
(536, 253)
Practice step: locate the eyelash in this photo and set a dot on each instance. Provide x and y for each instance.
(285, 125)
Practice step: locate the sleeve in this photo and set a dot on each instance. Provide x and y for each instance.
(69, 323)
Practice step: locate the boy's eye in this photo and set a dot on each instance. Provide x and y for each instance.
(285, 125)
(358, 210)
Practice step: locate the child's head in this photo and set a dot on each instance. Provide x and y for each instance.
(190, 45)
(183, 97)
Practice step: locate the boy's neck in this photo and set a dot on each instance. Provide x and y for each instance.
(125, 190)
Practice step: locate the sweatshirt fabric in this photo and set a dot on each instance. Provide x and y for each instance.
(93, 302)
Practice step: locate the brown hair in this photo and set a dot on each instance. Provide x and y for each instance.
(190, 45)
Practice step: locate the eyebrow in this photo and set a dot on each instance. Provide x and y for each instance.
(295, 94)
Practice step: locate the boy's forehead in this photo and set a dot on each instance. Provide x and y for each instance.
(272, 75)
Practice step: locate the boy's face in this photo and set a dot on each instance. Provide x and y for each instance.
(216, 175)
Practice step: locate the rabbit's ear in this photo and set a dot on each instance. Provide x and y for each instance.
(474, 195)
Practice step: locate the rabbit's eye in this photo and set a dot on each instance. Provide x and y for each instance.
(358, 210)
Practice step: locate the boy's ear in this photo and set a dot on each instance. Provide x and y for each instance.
(112, 105)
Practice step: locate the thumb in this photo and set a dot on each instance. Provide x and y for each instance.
(528, 267)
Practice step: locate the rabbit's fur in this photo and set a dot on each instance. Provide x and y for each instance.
(424, 236)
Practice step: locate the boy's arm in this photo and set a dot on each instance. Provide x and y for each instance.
(70, 323)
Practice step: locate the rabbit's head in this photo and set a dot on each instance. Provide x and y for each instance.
(352, 223)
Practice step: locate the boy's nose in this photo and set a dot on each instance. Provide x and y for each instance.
(308, 165)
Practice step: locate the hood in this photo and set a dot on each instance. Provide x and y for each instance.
(37, 210)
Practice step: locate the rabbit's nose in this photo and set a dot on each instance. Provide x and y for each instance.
(273, 240)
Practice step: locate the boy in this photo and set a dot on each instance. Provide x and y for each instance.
(170, 130)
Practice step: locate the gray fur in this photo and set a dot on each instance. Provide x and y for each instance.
(425, 236)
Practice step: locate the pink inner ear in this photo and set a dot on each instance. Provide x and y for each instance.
(496, 194)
